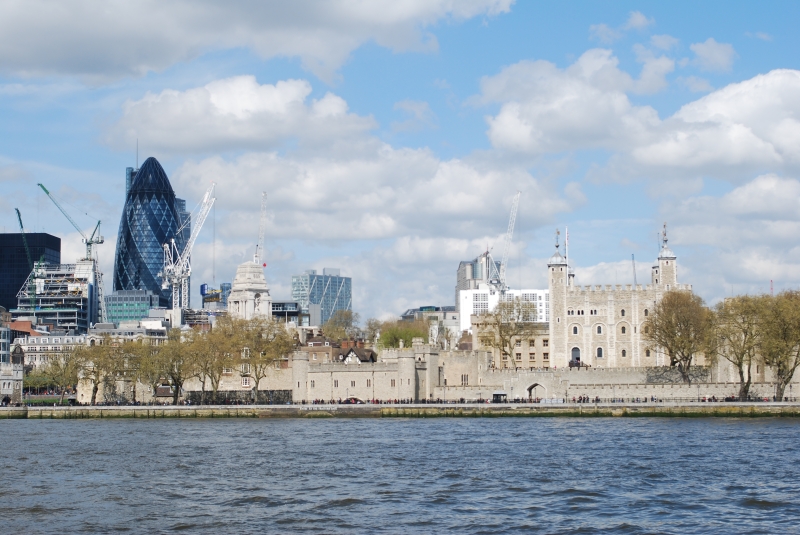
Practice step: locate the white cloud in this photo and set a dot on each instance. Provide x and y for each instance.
(546, 109)
(236, 113)
(713, 56)
(604, 33)
(739, 241)
(132, 38)
(731, 133)
(696, 84)
(420, 116)
(638, 21)
(664, 42)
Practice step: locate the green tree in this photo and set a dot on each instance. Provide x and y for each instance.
(96, 363)
(64, 372)
(683, 328)
(779, 337)
(394, 331)
(178, 360)
(737, 329)
(373, 329)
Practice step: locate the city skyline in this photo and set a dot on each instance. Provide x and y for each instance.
(391, 142)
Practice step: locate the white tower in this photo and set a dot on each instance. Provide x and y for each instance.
(249, 295)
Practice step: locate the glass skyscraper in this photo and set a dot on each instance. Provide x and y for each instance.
(152, 216)
(322, 295)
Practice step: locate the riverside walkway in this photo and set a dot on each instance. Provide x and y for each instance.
(467, 410)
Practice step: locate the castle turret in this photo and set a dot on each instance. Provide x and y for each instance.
(558, 279)
(665, 271)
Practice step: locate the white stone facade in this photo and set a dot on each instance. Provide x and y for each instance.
(249, 295)
(601, 325)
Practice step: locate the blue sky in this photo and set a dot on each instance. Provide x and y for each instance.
(391, 137)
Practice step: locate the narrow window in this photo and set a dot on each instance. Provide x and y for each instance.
(599, 330)
(352, 383)
(599, 352)
(336, 383)
(574, 330)
(623, 312)
(624, 353)
(645, 312)
(623, 330)
(647, 353)
(394, 384)
(545, 343)
(312, 383)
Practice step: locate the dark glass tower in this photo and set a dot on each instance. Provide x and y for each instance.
(151, 217)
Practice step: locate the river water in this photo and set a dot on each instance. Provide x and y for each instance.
(503, 475)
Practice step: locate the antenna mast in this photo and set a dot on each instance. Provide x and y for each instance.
(262, 228)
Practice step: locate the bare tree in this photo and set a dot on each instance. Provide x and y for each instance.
(342, 324)
(682, 327)
(212, 354)
(511, 320)
(779, 337)
(737, 329)
(96, 363)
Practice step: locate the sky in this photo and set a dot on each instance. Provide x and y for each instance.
(391, 137)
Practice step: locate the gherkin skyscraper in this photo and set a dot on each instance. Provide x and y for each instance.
(152, 216)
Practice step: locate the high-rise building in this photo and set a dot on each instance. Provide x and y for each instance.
(129, 305)
(472, 274)
(152, 216)
(63, 296)
(14, 266)
(322, 295)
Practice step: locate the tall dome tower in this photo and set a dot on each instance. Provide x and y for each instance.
(151, 217)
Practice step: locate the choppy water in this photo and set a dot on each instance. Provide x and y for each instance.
(401, 476)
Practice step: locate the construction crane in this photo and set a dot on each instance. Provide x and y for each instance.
(177, 264)
(507, 249)
(32, 276)
(262, 228)
(90, 242)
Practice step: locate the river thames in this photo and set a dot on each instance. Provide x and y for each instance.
(492, 475)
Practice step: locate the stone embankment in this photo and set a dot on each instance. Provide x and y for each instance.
(414, 411)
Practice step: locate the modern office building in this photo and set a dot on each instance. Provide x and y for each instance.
(472, 274)
(62, 296)
(14, 266)
(152, 216)
(322, 295)
(129, 305)
(289, 312)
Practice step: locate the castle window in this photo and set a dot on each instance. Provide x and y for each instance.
(336, 383)
(352, 383)
(394, 384)
(623, 330)
(599, 352)
(546, 342)
(647, 353)
(599, 330)
(369, 383)
(574, 330)
(546, 356)
(312, 383)
(624, 353)
(622, 312)
(519, 356)
(646, 329)
(645, 312)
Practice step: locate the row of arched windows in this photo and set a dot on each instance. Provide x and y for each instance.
(623, 329)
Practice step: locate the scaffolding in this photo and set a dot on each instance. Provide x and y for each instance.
(61, 295)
